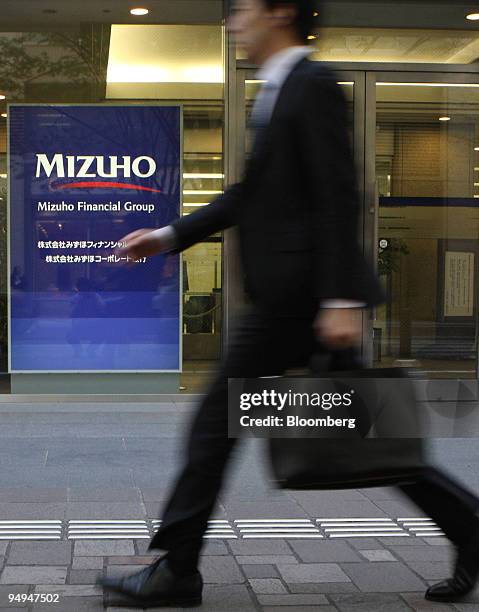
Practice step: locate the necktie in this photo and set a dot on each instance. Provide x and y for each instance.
(261, 114)
(263, 106)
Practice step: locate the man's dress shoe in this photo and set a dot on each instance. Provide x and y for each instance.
(156, 585)
(463, 581)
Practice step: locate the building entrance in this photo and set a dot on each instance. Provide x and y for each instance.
(416, 145)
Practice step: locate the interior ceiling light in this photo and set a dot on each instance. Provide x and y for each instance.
(476, 148)
(473, 16)
(201, 192)
(404, 84)
(203, 175)
(139, 11)
(444, 118)
(312, 37)
(2, 97)
(4, 114)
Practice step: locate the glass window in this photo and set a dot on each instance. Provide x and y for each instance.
(427, 166)
(179, 61)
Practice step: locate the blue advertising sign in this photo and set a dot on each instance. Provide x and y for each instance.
(81, 178)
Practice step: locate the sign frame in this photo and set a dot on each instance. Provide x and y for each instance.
(108, 103)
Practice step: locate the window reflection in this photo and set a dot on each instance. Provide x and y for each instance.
(427, 176)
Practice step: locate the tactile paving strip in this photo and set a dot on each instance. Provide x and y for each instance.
(244, 529)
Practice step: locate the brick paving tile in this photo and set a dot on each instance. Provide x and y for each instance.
(72, 604)
(435, 570)
(362, 602)
(83, 576)
(70, 590)
(213, 547)
(419, 604)
(267, 586)
(11, 588)
(365, 543)
(25, 552)
(87, 563)
(100, 548)
(425, 553)
(267, 559)
(438, 541)
(129, 560)
(259, 547)
(313, 572)
(221, 570)
(378, 555)
(237, 596)
(45, 574)
(142, 548)
(260, 571)
(326, 608)
(383, 577)
(292, 600)
(126, 609)
(323, 587)
(324, 552)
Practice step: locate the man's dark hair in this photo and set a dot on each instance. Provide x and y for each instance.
(306, 19)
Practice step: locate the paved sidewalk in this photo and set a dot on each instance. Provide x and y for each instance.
(99, 474)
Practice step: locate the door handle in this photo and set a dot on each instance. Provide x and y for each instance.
(374, 210)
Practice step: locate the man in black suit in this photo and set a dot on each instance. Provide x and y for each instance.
(297, 214)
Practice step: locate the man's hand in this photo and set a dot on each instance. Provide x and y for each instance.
(338, 328)
(138, 244)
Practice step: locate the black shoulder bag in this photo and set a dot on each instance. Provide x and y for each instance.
(356, 461)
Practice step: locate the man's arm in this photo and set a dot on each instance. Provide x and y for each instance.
(184, 232)
(217, 216)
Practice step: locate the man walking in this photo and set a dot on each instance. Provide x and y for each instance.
(296, 210)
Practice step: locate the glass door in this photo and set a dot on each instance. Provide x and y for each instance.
(425, 148)
(353, 84)
(248, 87)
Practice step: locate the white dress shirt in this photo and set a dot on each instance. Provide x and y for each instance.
(274, 72)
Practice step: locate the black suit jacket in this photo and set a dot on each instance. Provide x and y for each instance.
(297, 205)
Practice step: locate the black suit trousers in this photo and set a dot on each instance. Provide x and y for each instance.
(264, 345)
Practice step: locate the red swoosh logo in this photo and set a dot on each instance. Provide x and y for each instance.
(105, 184)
